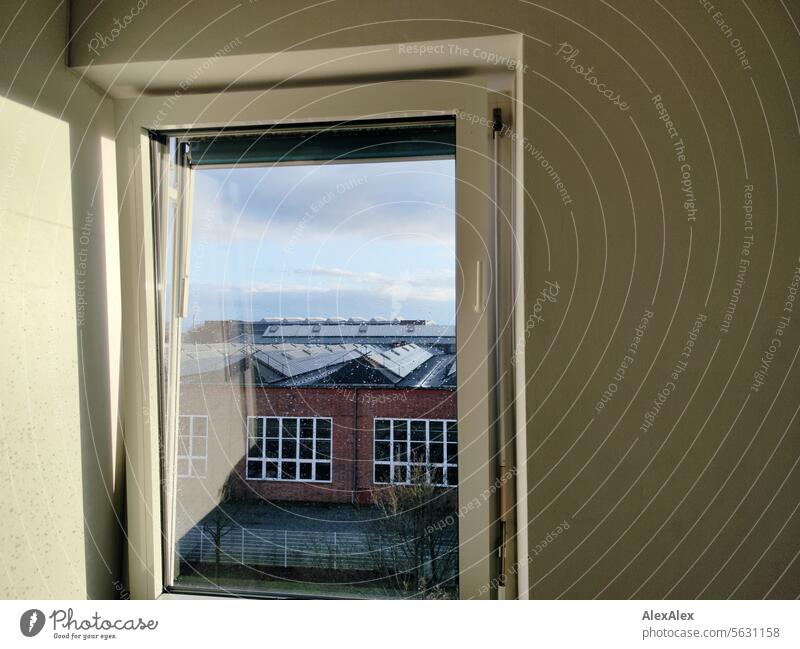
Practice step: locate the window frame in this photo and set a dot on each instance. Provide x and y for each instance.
(469, 99)
(191, 457)
(279, 460)
(444, 465)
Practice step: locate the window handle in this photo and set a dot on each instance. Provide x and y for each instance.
(478, 286)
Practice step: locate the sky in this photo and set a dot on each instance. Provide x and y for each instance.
(364, 240)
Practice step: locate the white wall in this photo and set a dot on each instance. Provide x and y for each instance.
(59, 457)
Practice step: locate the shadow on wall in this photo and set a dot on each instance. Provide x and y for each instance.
(62, 535)
(94, 206)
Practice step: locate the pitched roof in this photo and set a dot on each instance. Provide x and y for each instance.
(296, 364)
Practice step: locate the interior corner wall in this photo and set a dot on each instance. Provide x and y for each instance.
(59, 314)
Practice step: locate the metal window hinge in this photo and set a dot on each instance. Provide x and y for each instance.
(501, 547)
(501, 555)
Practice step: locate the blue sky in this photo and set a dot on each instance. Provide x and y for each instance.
(369, 240)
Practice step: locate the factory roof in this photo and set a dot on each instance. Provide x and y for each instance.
(308, 364)
(325, 331)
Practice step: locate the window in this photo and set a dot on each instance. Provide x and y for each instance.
(328, 288)
(295, 449)
(253, 255)
(410, 449)
(192, 446)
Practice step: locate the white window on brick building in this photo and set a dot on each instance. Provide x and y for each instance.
(192, 446)
(407, 450)
(295, 449)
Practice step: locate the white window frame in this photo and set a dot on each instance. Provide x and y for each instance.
(191, 457)
(469, 99)
(408, 464)
(279, 460)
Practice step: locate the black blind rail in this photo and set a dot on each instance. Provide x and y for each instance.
(341, 142)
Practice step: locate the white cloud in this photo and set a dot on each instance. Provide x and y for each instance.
(434, 285)
(413, 200)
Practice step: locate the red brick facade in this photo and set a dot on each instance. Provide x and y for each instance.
(353, 411)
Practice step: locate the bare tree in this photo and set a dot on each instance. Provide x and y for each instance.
(224, 517)
(418, 536)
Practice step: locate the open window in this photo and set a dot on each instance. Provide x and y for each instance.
(324, 300)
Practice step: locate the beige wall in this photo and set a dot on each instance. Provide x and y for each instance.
(59, 274)
(704, 502)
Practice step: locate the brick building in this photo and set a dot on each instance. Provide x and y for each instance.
(295, 419)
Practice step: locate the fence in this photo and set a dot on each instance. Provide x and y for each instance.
(299, 549)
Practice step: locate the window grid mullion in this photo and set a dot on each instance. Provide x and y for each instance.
(191, 439)
(262, 427)
(314, 449)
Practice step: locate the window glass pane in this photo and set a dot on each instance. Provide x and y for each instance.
(254, 470)
(382, 450)
(323, 449)
(288, 470)
(256, 450)
(271, 447)
(400, 451)
(382, 429)
(418, 454)
(289, 449)
(199, 426)
(307, 428)
(318, 351)
(199, 446)
(436, 453)
(400, 429)
(323, 471)
(452, 453)
(323, 428)
(452, 476)
(183, 446)
(272, 426)
(306, 449)
(289, 428)
(452, 430)
(399, 474)
(382, 473)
